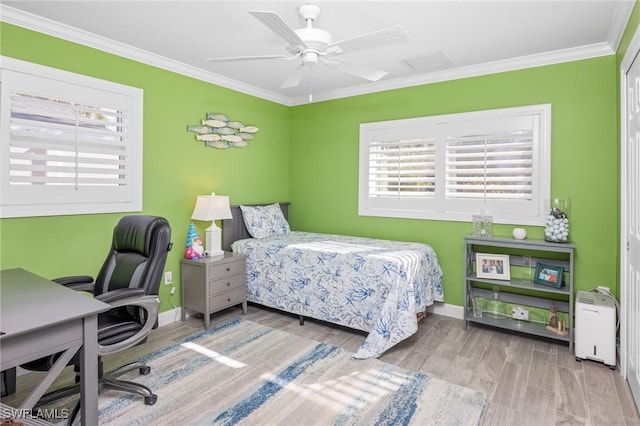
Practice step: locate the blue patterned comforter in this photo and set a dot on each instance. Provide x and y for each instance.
(372, 285)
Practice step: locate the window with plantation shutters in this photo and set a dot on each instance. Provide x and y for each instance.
(402, 168)
(70, 144)
(453, 166)
(494, 166)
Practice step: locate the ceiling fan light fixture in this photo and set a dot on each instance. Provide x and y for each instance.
(310, 58)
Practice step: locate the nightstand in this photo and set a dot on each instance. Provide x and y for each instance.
(215, 283)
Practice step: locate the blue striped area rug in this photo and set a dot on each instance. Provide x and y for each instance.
(240, 372)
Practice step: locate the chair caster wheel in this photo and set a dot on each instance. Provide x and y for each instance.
(145, 370)
(150, 400)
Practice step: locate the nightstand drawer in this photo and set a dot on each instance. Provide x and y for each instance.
(226, 284)
(224, 300)
(227, 269)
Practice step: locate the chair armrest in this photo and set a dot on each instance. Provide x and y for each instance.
(151, 304)
(77, 282)
(123, 293)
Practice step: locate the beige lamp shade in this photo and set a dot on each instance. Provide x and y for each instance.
(211, 207)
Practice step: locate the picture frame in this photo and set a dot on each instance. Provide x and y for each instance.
(549, 275)
(493, 266)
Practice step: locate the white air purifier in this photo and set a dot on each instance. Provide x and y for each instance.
(595, 336)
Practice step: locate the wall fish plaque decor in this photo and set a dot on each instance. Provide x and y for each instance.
(217, 131)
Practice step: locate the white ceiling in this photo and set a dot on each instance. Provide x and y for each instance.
(468, 37)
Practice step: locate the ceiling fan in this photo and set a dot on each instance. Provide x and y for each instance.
(313, 45)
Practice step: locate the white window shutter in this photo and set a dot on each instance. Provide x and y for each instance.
(71, 144)
(492, 166)
(402, 169)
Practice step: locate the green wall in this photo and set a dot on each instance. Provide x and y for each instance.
(176, 167)
(324, 161)
(309, 155)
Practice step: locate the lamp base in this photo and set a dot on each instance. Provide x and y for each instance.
(214, 238)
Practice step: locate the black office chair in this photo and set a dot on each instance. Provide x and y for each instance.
(129, 281)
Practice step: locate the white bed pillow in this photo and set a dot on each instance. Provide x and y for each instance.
(265, 221)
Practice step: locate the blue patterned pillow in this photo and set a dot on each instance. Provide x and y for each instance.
(265, 221)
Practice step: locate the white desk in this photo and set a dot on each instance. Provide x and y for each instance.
(39, 317)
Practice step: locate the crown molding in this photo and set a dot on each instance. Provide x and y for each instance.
(75, 35)
(85, 38)
(548, 58)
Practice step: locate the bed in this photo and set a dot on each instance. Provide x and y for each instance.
(377, 286)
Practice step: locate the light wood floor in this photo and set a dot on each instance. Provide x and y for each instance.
(528, 381)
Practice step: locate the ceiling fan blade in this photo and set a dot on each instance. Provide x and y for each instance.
(359, 70)
(295, 77)
(276, 24)
(250, 58)
(392, 35)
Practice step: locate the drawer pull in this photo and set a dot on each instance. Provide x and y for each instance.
(228, 269)
(228, 284)
(228, 299)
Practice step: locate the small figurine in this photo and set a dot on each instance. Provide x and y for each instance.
(193, 249)
(552, 318)
(555, 325)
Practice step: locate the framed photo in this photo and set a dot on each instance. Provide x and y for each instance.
(494, 266)
(548, 275)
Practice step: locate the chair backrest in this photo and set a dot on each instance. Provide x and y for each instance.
(138, 254)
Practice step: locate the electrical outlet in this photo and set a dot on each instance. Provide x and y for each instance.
(520, 313)
(168, 278)
(601, 287)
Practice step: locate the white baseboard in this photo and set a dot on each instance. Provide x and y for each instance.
(447, 310)
(167, 317)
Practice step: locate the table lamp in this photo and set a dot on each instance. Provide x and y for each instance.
(212, 207)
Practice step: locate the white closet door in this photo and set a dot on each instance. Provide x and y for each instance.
(630, 268)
